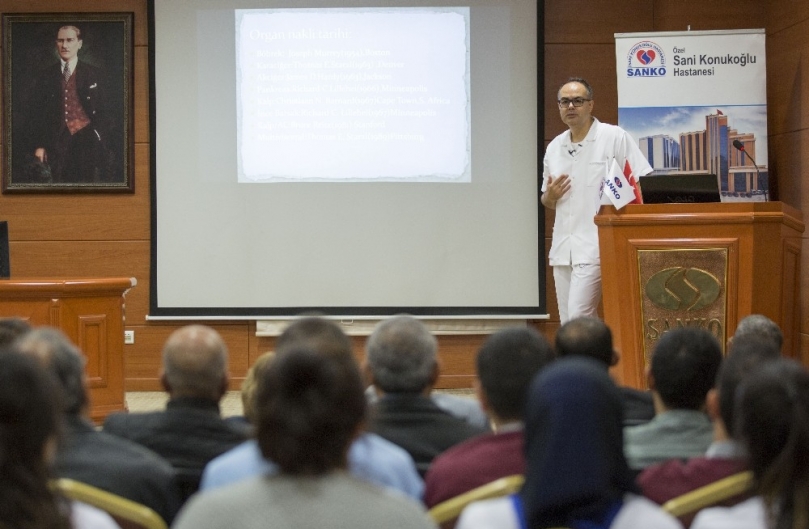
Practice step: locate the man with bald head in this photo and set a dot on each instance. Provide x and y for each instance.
(190, 431)
(588, 336)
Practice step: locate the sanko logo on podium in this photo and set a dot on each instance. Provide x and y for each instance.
(683, 289)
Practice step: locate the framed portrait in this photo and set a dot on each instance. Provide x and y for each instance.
(67, 102)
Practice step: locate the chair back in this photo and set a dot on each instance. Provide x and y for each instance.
(711, 494)
(451, 508)
(127, 513)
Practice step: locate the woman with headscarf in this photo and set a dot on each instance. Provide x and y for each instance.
(576, 473)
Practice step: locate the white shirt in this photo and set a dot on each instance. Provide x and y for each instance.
(575, 235)
(84, 516)
(749, 514)
(498, 513)
(72, 62)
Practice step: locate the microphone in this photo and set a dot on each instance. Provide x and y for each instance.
(740, 147)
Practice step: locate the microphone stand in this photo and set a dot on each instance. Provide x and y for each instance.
(740, 146)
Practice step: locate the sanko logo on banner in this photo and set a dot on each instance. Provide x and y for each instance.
(696, 102)
(646, 59)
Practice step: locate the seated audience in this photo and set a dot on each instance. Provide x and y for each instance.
(576, 472)
(88, 455)
(190, 431)
(588, 336)
(506, 364)
(683, 369)
(308, 408)
(370, 457)
(726, 455)
(772, 414)
(402, 365)
(29, 422)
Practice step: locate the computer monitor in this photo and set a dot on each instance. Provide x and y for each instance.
(679, 188)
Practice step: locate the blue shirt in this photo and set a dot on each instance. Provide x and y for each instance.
(370, 458)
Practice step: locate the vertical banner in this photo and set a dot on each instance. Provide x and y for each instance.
(696, 101)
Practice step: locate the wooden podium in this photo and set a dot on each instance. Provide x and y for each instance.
(706, 265)
(91, 313)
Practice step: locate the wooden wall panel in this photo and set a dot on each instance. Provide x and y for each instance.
(788, 62)
(782, 14)
(138, 7)
(579, 21)
(788, 162)
(678, 15)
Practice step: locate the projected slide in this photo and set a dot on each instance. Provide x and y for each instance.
(353, 95)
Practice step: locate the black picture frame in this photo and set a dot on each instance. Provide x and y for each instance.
(92, 150)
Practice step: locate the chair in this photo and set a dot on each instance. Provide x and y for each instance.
(127, 513)
(711, 494)
(451, 508)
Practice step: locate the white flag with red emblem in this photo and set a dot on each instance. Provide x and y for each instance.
(616, 187)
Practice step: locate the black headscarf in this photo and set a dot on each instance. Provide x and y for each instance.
(576, 473)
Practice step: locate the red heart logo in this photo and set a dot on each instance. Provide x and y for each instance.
(645, 56)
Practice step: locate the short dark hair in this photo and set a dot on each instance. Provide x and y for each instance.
(506, 364)
(585, 336)
(579, 80)
(684, 366)
(745, 356)
(401, 354)
(773, 422)
(308, 408)
(761, 326)
(322, 335)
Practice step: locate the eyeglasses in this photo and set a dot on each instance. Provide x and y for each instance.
(577, 102)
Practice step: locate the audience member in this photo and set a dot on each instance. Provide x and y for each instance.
(506, 364)
(576, 472)
(309, 406)
(456, 405)
(760, 326)
(11, 329)
(88, 455)
(726, 455)
(190, 431)
(683, 369)
(772, 412)
(248, 390)
(29, 419)
(402, 364)
(589, 336)
(370, 457)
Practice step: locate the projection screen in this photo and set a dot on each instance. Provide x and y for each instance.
(346, 158)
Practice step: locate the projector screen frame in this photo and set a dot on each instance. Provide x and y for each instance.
(157, 312)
